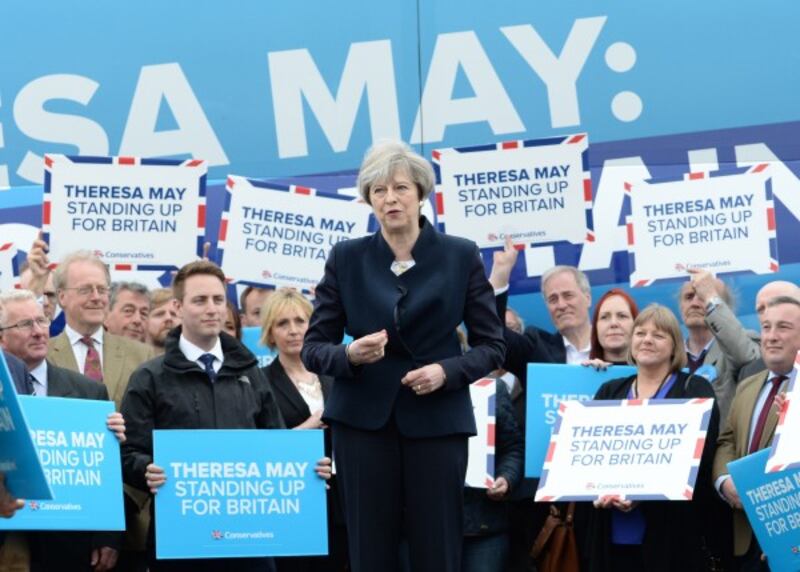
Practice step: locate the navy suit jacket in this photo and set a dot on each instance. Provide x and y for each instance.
(420, 310)
(19, 373)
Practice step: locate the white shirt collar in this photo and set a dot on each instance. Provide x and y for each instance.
(40, 375)
(574, 355)
(193, 352)
(705, 349)
(75, 338)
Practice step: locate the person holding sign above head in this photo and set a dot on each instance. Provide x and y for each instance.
(399, 409)
(753, 417)
(301, 397)
(717, 346)
(655, 535)
(24, 333)
(206, 379)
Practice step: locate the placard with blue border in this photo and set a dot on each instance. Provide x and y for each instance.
(136, 213)
(548, 385)
(537, 191)
(637, 449)
(81, 460)
(24, 474)
(239, 493)
(772, 504)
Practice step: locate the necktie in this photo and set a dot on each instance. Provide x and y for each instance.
(91, 367)
(208, 363)
(693, 364)
(30, 387)
(765, 410)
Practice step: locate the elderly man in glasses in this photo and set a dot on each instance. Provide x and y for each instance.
(24, 333)
(83, 283)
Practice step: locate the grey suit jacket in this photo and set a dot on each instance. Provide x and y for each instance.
(734, 348)
(121, 356)
(733, 443)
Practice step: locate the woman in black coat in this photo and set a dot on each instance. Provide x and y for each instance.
(300, 395)
(400, 410)
(656, 535)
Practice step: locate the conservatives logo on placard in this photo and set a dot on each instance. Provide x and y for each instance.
(217, 535)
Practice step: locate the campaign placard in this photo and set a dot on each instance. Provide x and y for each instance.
(772, 504)
(636, 449)
(9, 269)
(24, 475)
(480, 465)
(81, 460)
(549, 385)
(723, 221)
(239, 493)
(536, 191)
(280, 235)
(785, 450)
(144, 214)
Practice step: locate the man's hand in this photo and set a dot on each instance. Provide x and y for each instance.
(39, 265)
(155, 477)
(503, 262)
(323, 468)
(116, 424)
(367, 349)
(104, 559)
(499, 489)
(731, 494)
(705, 285)
(425, 380)
(8, 504)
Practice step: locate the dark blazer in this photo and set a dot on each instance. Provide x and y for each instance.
(292, 405)
(19, 373)
(675, 530)
(420, 310)
(68, 550)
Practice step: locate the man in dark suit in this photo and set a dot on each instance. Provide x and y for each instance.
(753, 417)
(19, 374)
(24, 333)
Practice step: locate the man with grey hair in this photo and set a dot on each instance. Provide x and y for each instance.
(717, 346)
(568, 297)
(753, 417)
(24, 333)
(767, 292)
(129, 310)
(82, 282)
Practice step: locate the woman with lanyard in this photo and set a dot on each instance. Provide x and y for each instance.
(655, 535)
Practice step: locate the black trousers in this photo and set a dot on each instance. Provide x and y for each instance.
(393, 486)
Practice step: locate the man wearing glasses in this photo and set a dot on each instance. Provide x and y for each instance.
(82, 283)
(24, 331)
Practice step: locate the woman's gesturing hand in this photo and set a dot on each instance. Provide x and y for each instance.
(367, 349)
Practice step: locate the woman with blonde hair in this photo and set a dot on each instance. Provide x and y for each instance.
(300, 395)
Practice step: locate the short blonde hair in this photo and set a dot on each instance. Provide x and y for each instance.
(384, 159)
(61, 271)
(282, 299)
(663, 319)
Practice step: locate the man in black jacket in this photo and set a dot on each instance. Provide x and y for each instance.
(205, 380)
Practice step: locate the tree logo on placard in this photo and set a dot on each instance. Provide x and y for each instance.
(266, 274)
(590, 486)
(216, 534)
(492, 236)
(98, 253)
(34, 505)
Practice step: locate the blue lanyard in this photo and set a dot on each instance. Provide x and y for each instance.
(662, 391)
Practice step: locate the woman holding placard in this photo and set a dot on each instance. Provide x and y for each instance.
(656, 535)
(400, 410)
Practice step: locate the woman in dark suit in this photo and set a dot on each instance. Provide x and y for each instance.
(300, 395)
(399, 410)
(657, 536)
